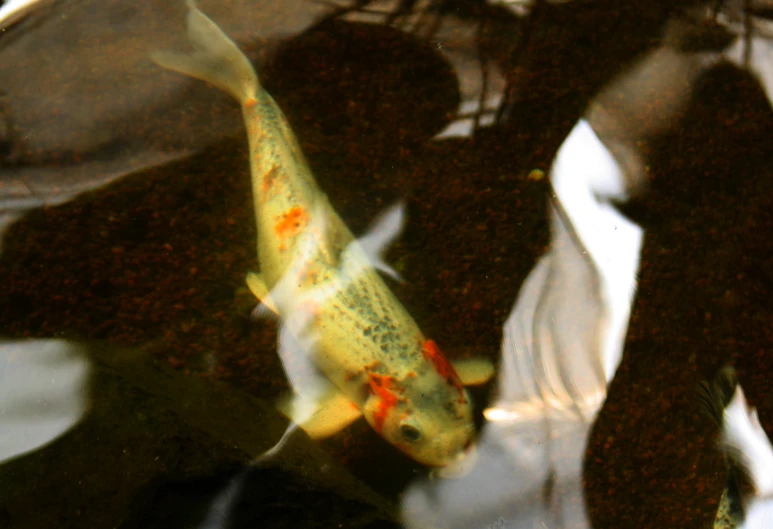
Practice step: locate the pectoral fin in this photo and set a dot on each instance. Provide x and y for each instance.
(258, 287)
(323, 417)
(474, 371)
(381, 234)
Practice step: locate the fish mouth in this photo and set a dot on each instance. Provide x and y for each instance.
(461, 465)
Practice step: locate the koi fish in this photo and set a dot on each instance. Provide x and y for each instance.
(347, 344)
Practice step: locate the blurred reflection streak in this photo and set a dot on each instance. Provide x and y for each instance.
(42, 393)
(12, 10)
(220, 510)
(6, 219)
(578, 296)
(562, 344)
(29, 188)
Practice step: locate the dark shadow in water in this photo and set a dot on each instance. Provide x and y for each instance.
(702, 303)
(121, 438)
(262, 497)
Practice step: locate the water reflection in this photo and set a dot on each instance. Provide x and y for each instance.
(576, 299)
(90, 417)
(564, 338)
(42, 393)
(106, 111)
(562, 343)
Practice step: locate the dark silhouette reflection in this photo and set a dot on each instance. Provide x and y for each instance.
(252, 497)
(43, 393)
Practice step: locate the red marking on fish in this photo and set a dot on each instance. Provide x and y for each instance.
(442, 366)
(291, 222)
(251, 102)
(381, 386)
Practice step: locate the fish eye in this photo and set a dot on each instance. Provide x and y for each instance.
(410, 433)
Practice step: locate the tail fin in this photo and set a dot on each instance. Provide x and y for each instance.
(216, 59)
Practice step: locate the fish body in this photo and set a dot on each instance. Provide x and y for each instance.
(348, 345)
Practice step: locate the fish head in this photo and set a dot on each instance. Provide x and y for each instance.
(424, 416)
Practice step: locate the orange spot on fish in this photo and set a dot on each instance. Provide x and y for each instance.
(442, 366)
(381, 386)
(373, 366)
(311, 276)
(310, 307)
(269, 178)
(251, 102)
(291, 222)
